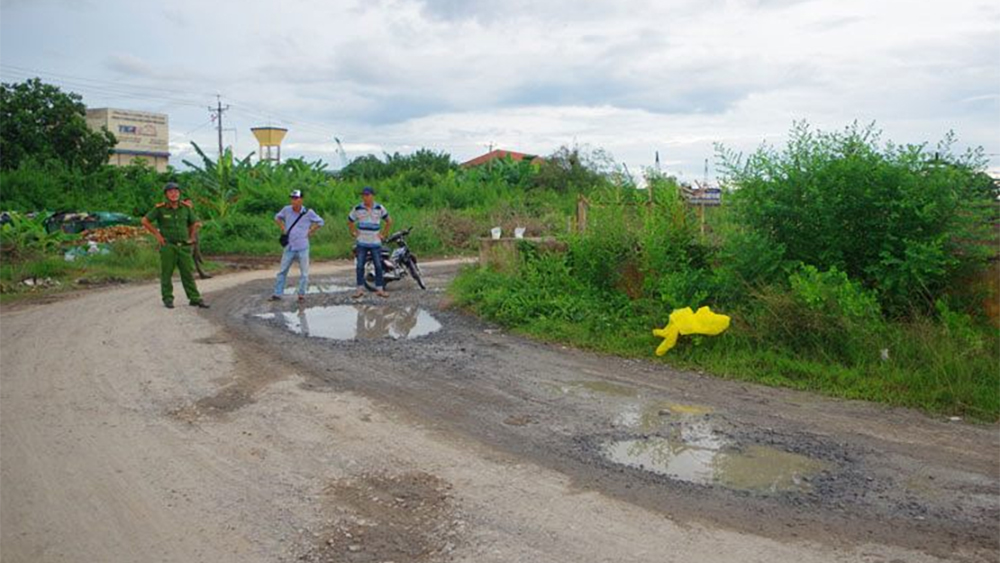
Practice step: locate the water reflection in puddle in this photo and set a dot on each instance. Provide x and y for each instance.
(653, 415)
(319, 288)
(595, 387)
(358, 322)
(696, 454)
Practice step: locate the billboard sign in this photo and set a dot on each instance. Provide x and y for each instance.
(706, 196)
(136, 131)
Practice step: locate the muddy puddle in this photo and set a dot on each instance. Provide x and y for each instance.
(357, 322)
(594, 388)
(319, 288)
(681, 441)
(653, 415)
(693, 452)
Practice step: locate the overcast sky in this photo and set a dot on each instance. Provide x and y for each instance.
(632, 77)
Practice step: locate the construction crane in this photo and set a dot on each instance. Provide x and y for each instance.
(340, 152)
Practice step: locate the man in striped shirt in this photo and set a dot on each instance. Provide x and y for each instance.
(366, 224)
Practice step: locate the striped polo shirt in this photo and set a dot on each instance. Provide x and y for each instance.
(368, 222)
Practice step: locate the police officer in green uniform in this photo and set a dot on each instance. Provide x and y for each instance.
(175, 227)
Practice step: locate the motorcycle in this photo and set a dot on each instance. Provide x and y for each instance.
(397, 264)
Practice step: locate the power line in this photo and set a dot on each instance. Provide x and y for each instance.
(104, 83)
(305, 123)
(325, 130)
(111, 93)
(209, 122)
(169, 97)
(82, 84)
(114, 88)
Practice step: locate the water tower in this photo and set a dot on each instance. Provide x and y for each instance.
(270, 141)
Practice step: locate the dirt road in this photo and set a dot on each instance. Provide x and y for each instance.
(404, 431)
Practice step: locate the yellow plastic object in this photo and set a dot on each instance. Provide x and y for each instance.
(686, 321)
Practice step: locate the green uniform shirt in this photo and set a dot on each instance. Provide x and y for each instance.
(173, 223)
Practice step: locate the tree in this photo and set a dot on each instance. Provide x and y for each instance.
(39, 121)
(424, 161)
(368, 167)
(575, 170)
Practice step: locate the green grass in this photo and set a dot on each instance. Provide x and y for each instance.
(128, 261)
(941, 368)
(925, 370)
(435, 232)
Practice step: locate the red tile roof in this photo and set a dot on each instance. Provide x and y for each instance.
(498, 154)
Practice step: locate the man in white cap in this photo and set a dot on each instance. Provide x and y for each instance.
(301, 224)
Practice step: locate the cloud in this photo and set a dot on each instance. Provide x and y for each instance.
(176, 17)
(79, 5)
(128, 64)
(556, 11)
(634, 77)
(835, 23)
(170, 78)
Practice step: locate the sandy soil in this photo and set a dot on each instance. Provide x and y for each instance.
(129, 432)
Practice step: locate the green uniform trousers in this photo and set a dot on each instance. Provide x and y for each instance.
(172, 254)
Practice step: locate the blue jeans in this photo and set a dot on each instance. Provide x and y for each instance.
(359, 267)
(289, 256)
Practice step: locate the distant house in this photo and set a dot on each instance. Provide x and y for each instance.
(501, 154)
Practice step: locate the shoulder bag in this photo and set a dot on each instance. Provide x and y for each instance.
(283, 239)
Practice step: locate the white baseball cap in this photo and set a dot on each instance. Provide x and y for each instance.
(296, 193)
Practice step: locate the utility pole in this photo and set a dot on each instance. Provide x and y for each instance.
(217, 117)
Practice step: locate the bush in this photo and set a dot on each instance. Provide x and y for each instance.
(600, 260)
(832, 293)
(897, 218)
(456, 230)
(218, 236)
(51, 185)
(746, 262)
(818, 314)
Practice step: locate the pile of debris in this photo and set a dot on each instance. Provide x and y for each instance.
(73, 222)
(40, 283)
(91, 249)
(113, 234)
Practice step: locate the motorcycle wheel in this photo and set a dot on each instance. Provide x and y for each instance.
(370, 276)
(415, 272)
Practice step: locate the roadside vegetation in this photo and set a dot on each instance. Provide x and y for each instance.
(56, 169)
(33, 261)
(449, 207)
(848, 267)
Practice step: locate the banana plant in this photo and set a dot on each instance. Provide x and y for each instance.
(24, 236)
(219, 182)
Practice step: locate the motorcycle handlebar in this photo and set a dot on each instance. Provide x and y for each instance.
(398, 235)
